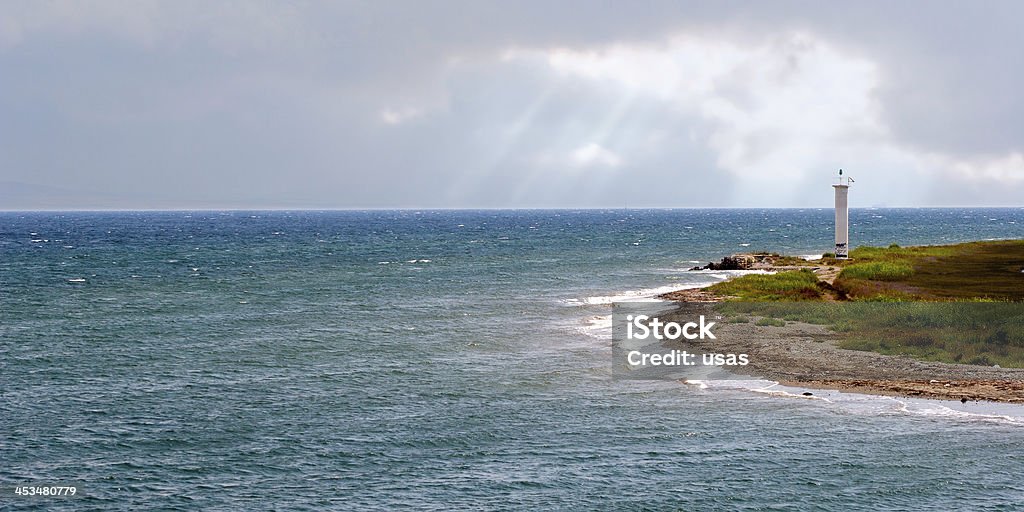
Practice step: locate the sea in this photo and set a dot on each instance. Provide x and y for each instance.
(441, 360)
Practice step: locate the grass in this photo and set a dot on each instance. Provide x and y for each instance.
(878, 271)
(990, 270)
(895, 252)
(984, 333)
(970, 271)
(960, 303)
(792, 285)
(950, 332)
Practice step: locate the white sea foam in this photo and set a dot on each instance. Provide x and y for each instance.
(647, 294)
(597, 326)
(650, 294)
(724, 274)
(861, 403)
(768, 387)
(1010, 414)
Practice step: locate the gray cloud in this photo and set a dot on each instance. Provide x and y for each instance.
(387, 104)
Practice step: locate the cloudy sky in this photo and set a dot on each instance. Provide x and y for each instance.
(290, 104)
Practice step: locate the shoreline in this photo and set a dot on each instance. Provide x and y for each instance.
(1004, 392)
(806, 355)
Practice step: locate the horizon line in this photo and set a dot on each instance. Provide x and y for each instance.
(538, 208)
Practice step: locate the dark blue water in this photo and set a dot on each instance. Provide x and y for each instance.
(437, 360)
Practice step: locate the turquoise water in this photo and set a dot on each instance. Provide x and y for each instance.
(439, 360)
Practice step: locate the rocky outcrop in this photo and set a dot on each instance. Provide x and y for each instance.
(737, 262)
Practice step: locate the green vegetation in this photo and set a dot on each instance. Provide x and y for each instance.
(895, 252)
(950, 332)
(959, 303)
(985, 333)
(969, 271)
(771, 322)
(878, 271)
(793, 285)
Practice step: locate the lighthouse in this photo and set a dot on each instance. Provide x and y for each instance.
(842, 216)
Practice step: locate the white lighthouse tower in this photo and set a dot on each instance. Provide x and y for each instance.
(842, 216)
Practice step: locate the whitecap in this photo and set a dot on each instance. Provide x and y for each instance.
(1012, 414)
(864, 403)
(724, 274)
(646, 294)
(598, 326)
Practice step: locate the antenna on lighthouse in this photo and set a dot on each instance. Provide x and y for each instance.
(842, 217)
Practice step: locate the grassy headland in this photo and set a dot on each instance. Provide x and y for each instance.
(970, 271)
(959, 303)
(790, 285)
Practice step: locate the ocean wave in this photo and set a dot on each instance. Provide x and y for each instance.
(864, 403)
(722, 274)
(989, 412)
(597, 326)
(764, 386)
(650, 294)
(643, 295)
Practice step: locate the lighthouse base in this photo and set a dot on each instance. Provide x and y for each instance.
(841, 252)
